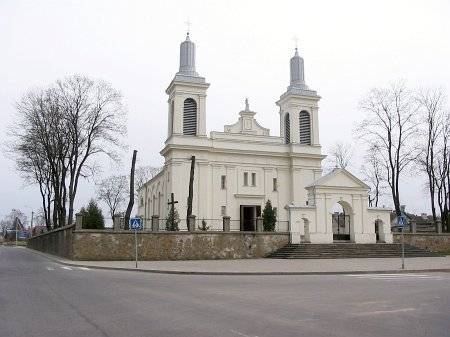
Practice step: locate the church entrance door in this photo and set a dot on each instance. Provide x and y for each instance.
(341, 227)
(341, 221)
(249, 213)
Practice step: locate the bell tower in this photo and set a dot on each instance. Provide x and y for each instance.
(299, 108)
(187, 96)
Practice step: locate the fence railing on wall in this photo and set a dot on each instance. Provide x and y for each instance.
(193, 224)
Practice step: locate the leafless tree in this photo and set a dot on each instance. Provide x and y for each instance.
(95, 123)
(9, 219)
(57, 133)
(39, 146)
(340, 155)
(144, 174)
(113, 192)
(432, 104)
(442, 172)
(372, 172)
(391, 127)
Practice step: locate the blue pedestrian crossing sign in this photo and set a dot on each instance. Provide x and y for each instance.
(401, 221)
(135, 224)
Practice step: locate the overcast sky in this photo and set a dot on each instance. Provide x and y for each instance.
(243, 50)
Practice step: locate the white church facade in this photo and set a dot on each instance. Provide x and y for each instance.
(239, 169)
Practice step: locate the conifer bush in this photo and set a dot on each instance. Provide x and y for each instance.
(172, 220)
(92, 216)
(269, 217)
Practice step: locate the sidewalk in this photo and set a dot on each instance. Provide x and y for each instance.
(269, 266)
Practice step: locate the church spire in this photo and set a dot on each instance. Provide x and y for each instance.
(187, 58)
(297, 71)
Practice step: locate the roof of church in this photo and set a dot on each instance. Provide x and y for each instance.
(323, 181)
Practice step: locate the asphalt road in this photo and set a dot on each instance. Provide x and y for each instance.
(42, 298)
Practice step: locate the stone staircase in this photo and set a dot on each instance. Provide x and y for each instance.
(347, 250)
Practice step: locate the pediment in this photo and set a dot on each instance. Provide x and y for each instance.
(339, 178)
(247, 124)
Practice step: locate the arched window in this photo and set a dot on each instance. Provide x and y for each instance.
(190, 117)
(305, 128)
(287, 129)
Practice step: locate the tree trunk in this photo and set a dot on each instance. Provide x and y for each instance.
(131, 201)
(191, 187)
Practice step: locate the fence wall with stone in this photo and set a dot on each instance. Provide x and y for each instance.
(109, 245)
(57, 242)
(113, 245)
(436, 242)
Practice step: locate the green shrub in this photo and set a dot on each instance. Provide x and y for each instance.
(204, 227)
(172, 220)
(92, 216)
(269, 217)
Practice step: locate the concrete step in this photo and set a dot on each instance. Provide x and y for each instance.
(347, 250)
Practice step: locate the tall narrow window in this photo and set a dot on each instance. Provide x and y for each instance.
(287, 129)
(172, 109)
(190, 117)
(305, 128)
(245, 178)
(253, 179)
(223, 210)
(223, 182)
(275, 184)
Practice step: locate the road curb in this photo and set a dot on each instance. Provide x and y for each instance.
(224, 273)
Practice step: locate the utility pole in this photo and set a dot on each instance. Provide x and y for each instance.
(31, 224)
(16, 221)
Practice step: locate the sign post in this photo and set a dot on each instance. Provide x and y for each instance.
(135, 224)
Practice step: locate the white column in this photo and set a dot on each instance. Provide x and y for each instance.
(295, 125)
(201, 123)
(315, 126)
(178, 114)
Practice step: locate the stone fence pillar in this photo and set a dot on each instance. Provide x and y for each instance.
(413, 227)
(78, 221)
(259, 224)
(155, 223)
(116, 222)
(438, 227)
(226, 223)
(191, 223)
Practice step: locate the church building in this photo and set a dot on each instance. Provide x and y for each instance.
(239, 169)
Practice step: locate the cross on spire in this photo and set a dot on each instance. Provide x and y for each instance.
(295, 39)
(188, 26)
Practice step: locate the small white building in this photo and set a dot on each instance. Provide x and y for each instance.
(239, 169)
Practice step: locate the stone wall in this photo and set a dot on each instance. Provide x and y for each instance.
(119, 245)
(57, 242)
(430, 241)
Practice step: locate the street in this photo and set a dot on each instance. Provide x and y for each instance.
(41, 298)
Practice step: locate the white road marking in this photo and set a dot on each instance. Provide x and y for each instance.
(240, 333)
(83, 268)
(397, 277)
(66, 268)
(50, 268)
(381, 312)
